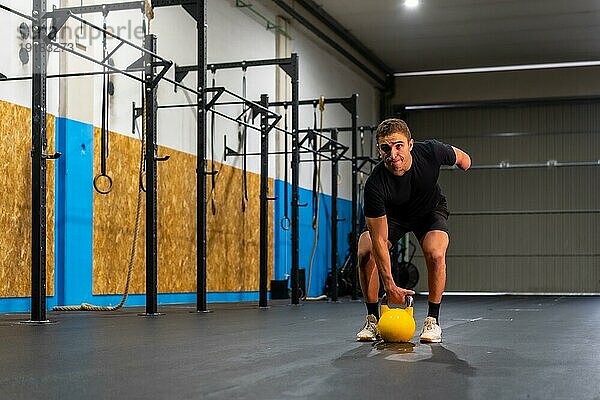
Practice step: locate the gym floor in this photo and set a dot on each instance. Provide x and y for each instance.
(498, 347)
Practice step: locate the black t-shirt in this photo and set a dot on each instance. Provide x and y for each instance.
(406, 198)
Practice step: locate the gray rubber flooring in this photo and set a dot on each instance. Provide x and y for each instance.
(501, 347)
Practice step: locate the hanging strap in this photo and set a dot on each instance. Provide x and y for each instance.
(103, 176)
(315, 197)
(244, 146)
(316, 145)
(285, 221)
(213, 179)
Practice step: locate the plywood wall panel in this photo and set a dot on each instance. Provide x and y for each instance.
(114, 218)
(232, 234)
(15, 202)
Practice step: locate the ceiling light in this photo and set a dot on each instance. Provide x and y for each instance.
(411, 3)
(501, 68)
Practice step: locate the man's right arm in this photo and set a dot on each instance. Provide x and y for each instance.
(378, 231)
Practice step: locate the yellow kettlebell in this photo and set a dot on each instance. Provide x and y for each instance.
(396, 324)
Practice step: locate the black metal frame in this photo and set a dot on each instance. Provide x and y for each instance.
(152, 160)
(290, 67)
(353, 109)
(201, 20)
(285, 63)
(334, 218)
(101, 8)
(350, 104)
(269, 121)
(198, 9)
(147, 64)
(67, 75)
(264, 202)
(38, 166)
(337, 153)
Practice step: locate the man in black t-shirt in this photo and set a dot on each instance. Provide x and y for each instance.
(402, 195)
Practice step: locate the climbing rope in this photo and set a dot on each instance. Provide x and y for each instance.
(149, 13)
(316, 202)
(244, 142)
(136, 231)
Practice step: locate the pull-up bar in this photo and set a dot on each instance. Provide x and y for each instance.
(290, 67)
(351, 105)
(100, 8)
(285, 64)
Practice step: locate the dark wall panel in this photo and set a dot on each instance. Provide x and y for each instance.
(542, 253)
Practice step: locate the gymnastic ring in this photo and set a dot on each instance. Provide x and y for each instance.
(285, 223)
(97, 179)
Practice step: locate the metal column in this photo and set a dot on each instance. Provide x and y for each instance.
(295, 181)
(264, 201)
(354, 247)
(151, 177)
(201, 160)
(38, 165)
(334, 217)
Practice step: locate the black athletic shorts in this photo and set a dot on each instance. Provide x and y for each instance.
(435, 220)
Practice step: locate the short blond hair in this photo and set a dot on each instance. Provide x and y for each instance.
(390, 126)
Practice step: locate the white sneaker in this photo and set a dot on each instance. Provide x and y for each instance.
(431, 332)
(369, 332)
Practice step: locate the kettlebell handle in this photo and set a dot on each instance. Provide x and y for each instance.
(409, 300)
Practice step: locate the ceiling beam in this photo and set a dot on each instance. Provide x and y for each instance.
(319, 12)
(377, 77)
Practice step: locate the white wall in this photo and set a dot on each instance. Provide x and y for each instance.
(19, 92)
(323, 74)
(231, 36)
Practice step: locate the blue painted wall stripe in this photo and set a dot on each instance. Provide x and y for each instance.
(74, 211)
(23, 304)
(322, 261)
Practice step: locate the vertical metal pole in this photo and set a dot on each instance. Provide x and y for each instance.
(354, 247)
(406, 238)
(334, 218)
(151, 177)
(201, 160)
(264, 201)
(295, 181)
(38, 166)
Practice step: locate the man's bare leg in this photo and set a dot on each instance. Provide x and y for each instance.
(434, 245)
(367, 269)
